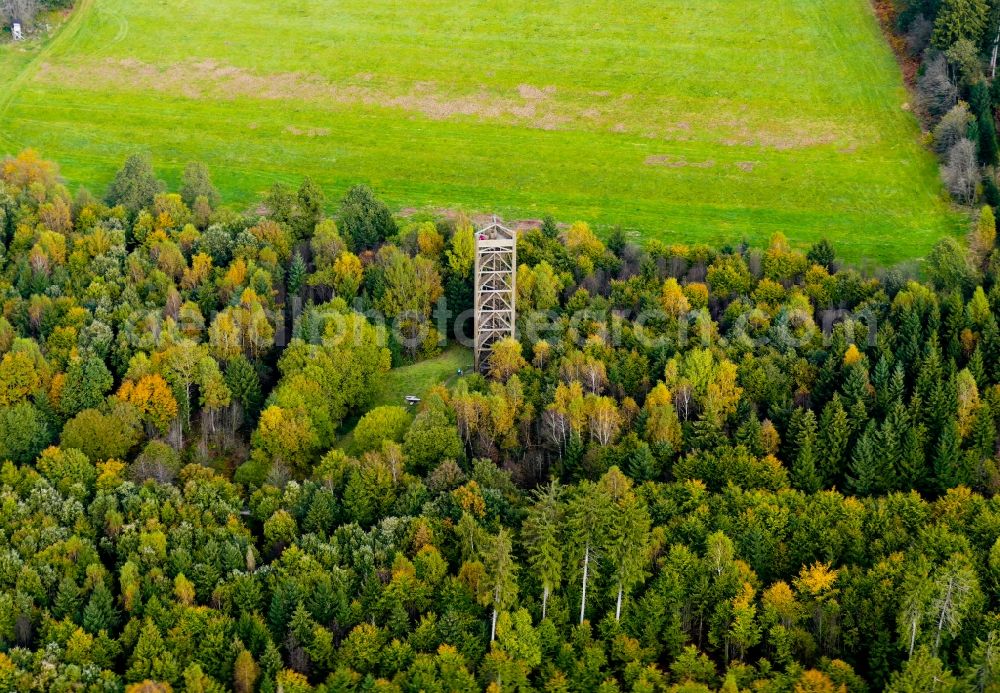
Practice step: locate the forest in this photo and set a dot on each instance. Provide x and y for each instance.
(25, 11)
(695, 469)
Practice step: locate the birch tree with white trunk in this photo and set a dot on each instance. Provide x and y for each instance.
(501, 576)
(588, 519)
(628, 538)
(543, 538)
(956, 589)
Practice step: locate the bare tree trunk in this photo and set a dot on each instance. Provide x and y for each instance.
(820, 630)
(207, 426)
(944, 609)
(993, 59)
(545, 600)
(583, 596)
(21, 11)
(175, 434)
(235, 420)
(618, 607)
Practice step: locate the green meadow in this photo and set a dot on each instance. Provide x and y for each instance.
(714, 121)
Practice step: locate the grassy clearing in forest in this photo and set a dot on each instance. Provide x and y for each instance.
(415, 379)
(418, 378)
(706, 121)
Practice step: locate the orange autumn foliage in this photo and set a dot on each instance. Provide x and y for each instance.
(152, 397)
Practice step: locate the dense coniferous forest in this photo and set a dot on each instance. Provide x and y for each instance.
(695, 469)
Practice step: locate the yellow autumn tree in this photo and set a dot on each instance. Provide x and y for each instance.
(662, 424)
(506, 359)
(672, 299)
(273, 234)
(816, 586)
(566, 414)
(541, 353)
(152, 398)
(983, 237)
(224, 337)
(525, 288)
(347, 274)
(781, 263)
(183, 590)
(780, 605)
(54, 246)
(852, 355)
(18, 378)
(234, 279)
(430, 242)
(744, 632)
(462, 253)
(581, 241)
(148, 686)
(21, 171)
(816, 580)
(286, 436)
(697, 294)
(723, 393)
(201, 266)
(968, 401)
(813, 681)
(603, 419)
(770, 439)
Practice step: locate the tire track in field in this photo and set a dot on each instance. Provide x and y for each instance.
(65, 37)
(123, 27)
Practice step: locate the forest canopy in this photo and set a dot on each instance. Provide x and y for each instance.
(693, 469)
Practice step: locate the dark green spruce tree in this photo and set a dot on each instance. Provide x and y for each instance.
(748, 435)
(892, 434)
(242, 379)
(100, 613)
(572, 460)
(802, 432)
(834, 440)
(950, 463)
(641, 465)
(908, 342)
(296, 275)
(868, 471)
(67, 600)
(309, 209)
(983, 437)
(913, 464)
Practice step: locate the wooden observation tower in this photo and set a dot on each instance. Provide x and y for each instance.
(496, 287)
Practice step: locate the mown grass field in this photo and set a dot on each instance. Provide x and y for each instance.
(418, 378)
(711, 121)
(415, 379)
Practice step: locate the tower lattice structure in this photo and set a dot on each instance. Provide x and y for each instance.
(496, 288)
